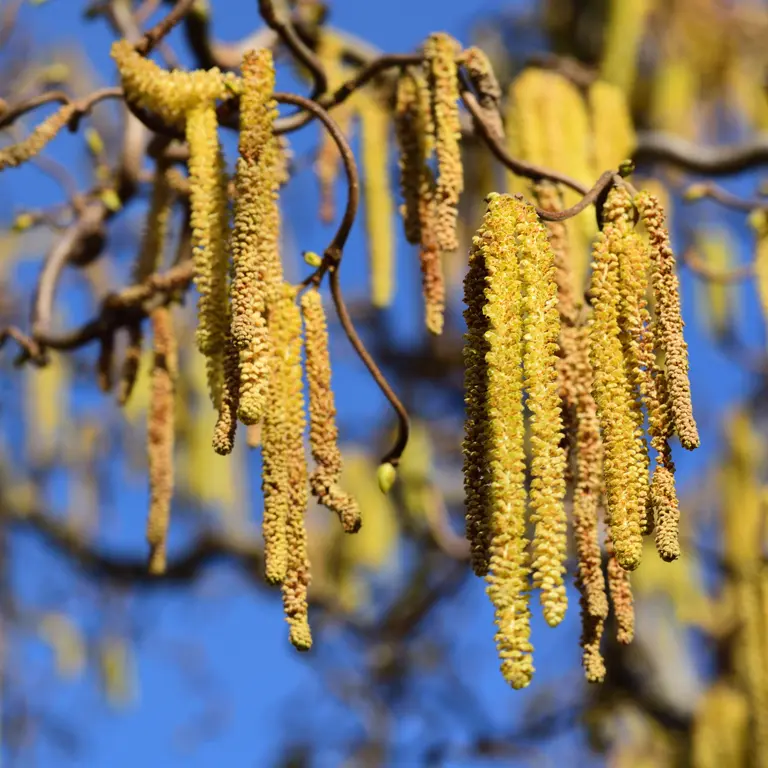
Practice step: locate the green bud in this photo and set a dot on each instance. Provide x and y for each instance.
(312, 259)
(386, 475)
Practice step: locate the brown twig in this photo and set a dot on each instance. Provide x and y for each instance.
(708, 190)
(154, 35)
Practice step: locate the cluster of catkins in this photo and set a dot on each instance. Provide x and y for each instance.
(589, 377)
(252, 324)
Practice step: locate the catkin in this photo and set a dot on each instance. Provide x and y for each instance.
(481, 75)
(541, 327)
(414, 130)
(255, 235)
(276, 443)
(620, 590)
(624, 467)
(160, 437)
(323, 432)
(150, 255)
(670, 321)
(297, 575)
(131, 361)
(171, 95)
(16, 154)
(226, 422)
(576, 383)
(494, 395)
(209, 219)
(440, 52)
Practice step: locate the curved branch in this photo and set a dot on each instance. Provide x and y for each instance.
(709, 161)
(154, 35)
(710, 191)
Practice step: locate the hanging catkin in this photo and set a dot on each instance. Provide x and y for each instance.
(255, 258)
(494, 455)
(160, 437)
(323, 432)
(440, 52)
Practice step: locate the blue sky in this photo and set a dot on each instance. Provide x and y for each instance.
(256, 686)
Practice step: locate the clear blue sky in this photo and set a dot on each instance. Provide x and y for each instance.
(259, 690)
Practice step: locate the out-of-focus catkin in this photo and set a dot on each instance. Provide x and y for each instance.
(440, 52)
(323, 432)
(670, 321)
(541, 328)
(256, 267)
(377, 195)
(625, 469)
(150, 253)
(495, 429)
(160, 437)
(19, 153)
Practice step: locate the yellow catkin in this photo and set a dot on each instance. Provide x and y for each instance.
(576, 383)
(150, 255)
(414, 129)
(297, 576)
(209, 219)
(330, 50)
(721, 728)
(323, 432)
(623, 36)
(16, 154)
(226, 422)
(624, 469)
(440, 52)
(670, 321)
(541, 328)
(255, 234)
(377, 195)
(759, 222)
(636, 337)
(276, 442)
(160, 437)
(613, 136)
(171, 95)
(494, 443)
(620, 590)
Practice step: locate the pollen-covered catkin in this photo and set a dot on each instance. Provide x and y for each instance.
(323, 432)
(276, 442)
(414, 130)
(16, 154)
(624, 466)
(670, 321)
(481, 75)
(255, 233)
(226, 422)
(171, 95)
(576, 383)
(541, 328)
(209, 218)
(496, 395)
(160, 437)
(440, 52)
(297, 575)
(620, 589)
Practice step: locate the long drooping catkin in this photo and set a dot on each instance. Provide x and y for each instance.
(276, 442)
(209, 218)
(620, 590)
(541, 328)
(297, 576)
(226, 423)
(481, 75)
(160, 437)
(440, 52)
(414, 129)
(495, 430)
(624, 466)
(670, 321)
(255, 233)
(323, 433)
(576, 383)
